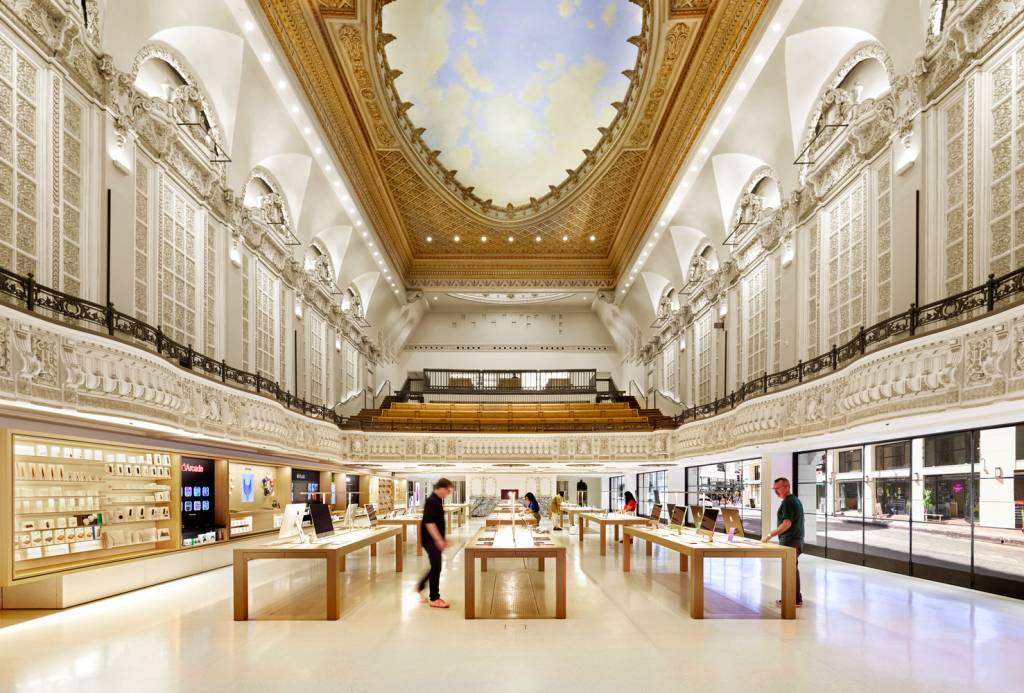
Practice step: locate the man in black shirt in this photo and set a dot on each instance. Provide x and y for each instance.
(433, 531)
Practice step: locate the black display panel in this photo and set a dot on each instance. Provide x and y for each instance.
(197, 479)
(305, 485)
(320, 514)
(679, 515)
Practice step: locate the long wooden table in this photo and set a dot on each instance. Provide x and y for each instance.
(499, 519)
(462, 509)
(690, 546)
(509, 542)
(615, 520)
(405, 523)
(332, 549)
(574, 511)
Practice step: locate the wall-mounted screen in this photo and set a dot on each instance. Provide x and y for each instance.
(197, 483)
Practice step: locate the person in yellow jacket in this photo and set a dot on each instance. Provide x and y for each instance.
(555, 508)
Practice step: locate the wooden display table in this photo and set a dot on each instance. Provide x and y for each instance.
(615, 520)
(499, 519)
(509, 542)
(333, 549)
(461, 509)
(406, 522)
(689, 545)
(574, 511)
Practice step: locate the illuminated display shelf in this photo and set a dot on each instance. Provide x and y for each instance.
(80, 502)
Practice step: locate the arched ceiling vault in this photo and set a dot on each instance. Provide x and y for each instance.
(589, 218)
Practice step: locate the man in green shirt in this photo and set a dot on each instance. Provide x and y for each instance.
(790, 529)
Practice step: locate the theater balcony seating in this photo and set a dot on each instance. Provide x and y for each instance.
(511, 417)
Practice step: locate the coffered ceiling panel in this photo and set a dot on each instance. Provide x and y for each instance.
(501, 143)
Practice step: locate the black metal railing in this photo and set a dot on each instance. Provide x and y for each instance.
(25, 292)
(959, 307)
(96, 317)
(510, 383)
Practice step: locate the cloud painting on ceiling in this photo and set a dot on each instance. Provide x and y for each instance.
(511, 92)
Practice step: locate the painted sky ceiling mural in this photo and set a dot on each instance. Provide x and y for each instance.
(510, 91)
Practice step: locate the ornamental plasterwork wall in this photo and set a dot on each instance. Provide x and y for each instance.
(47, 364)
(612, 196)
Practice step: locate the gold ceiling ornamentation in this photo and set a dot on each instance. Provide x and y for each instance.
(686, 52)
(575, 178)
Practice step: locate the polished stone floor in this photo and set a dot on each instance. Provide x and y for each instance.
(861, 630)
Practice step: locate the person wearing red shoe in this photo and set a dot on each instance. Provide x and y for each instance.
(433, 532)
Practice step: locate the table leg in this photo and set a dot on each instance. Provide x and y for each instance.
(650, 548)
(560, 584)
(683, 562)
(483, 564)
(627, 550)
(789, 585)
(419, 539)
(470, 608)
(333, 606)
(697, 587)
(604, 537)
(580, 525)
(616, 534)
(241, 598)
(399, 550)
(540, 564)
(373, 550)
(341, 563)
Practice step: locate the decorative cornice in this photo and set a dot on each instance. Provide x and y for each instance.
(582, 348)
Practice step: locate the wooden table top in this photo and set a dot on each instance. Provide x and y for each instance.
(344, 542)
(688, 542)
(507, 538)
(616, 518)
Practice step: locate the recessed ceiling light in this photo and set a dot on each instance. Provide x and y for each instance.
(693, 167)
(593, 238)
(703, 150)
(728, 110)
(623, 291)
(565, 238)
(715, 131)
(483, 239)
(537, 239)
(657, 235)
(319, 150)
(435, 298)
(380, 262)
(376, 254)
(307, 130)
(249, 25)
(281, 84)
(430, 239)
(295, 109)
(365, 234)
(351, 210)
(457, 239)
(511, 239)
(627, 285)
(776, 27)
(267, 56)
(663, 223)
(337, 183)
(371, 244)
(359, 222)
(758, 58)
(329, 168)
(650, 245)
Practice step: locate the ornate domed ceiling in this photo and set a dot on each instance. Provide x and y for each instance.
(509, 143)
(512, 93)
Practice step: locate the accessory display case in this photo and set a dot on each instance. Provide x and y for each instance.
(78, 502)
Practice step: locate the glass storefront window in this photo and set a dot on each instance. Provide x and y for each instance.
(892, 456)
(616, 492)
(892, 498)
(851, 461)
(651, 487)
(946, 450)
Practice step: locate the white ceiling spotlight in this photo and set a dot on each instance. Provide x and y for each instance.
(267, 56)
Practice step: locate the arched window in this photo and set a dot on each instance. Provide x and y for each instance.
(263, 196)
